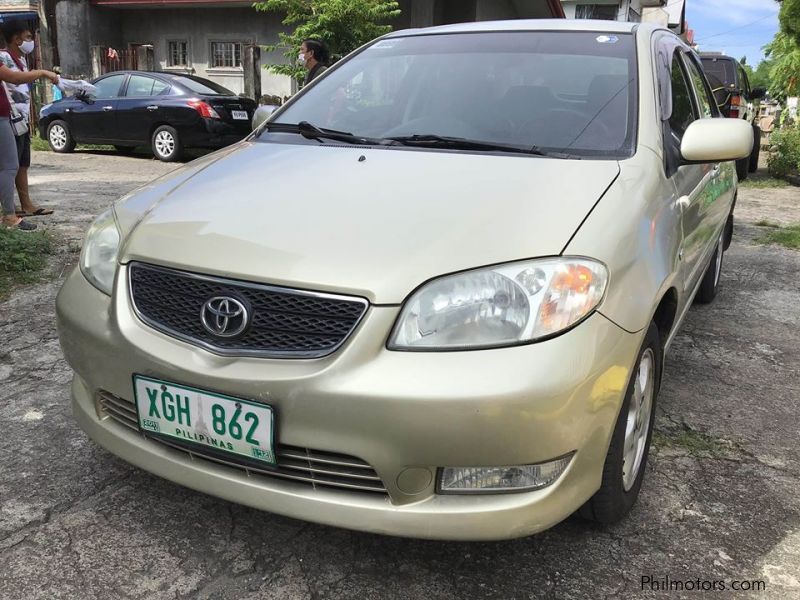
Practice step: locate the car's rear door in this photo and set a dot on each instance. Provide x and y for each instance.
(92, 120)
(140, 108)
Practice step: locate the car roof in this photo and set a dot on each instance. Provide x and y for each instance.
(532, 25)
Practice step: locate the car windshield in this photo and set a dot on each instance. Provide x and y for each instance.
(570, 92)
(202, 86)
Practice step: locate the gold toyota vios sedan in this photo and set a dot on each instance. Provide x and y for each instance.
(431, 296)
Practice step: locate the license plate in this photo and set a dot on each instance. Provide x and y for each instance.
(222, 423)
(239, 115)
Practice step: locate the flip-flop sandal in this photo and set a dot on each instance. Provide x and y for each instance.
(23, 225)
(40, 212)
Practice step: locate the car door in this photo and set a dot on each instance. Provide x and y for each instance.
(692, 181)
(139, 109)
(718, 193)
(92, 120)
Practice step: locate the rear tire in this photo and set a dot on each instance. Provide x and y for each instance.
(166, 144)
(710, 284)
(756, 149)
(742, 167)
(59, 137)
(626, 460)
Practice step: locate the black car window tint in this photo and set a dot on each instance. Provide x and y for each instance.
(109, 87)
(705, 102)
(682, 109)
(140, 86)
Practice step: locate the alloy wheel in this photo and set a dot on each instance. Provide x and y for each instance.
(637, 426)
(165, 143)
(58, 137)
(718, 262)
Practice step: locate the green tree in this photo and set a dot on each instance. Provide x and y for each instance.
(343, 25)
(789, 18)
(760, 76)
(784, 69)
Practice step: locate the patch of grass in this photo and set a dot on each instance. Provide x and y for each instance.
(766, 223)
(788, 237)
(41, 145)
(694, 442)
(22, 256)
(763, 183)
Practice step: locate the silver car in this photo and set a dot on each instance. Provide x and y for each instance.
(431, 296)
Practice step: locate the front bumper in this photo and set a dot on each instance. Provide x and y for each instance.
(395, 410)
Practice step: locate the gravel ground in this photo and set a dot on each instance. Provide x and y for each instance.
(721, 500)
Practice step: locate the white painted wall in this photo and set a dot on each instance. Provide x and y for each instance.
(199, 27)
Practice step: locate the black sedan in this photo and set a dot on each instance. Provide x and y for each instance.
(167, 111)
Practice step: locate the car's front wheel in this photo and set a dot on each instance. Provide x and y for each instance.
(743, 168)
(59, 137)
(626, 460)
(166, 144)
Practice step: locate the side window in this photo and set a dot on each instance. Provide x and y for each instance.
(682, 108)
(160, 88)
(704, 99)
(109, 87)
(140, 86)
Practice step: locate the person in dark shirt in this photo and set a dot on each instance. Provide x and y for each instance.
(314, 57)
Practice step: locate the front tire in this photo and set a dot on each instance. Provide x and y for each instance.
(166, 144)
(626, 460)
(59, 137)
(710, 284)
(756, 149)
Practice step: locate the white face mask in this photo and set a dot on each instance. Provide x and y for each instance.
(301, 58)
(27, 46)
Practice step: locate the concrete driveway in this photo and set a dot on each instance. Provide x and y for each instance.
(721, 501)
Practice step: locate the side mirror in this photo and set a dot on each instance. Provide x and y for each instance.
(262, 113)
(757, 93)
(717, 140)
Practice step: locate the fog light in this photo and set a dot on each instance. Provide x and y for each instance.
(515, 478)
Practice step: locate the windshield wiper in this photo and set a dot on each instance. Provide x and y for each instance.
(312, 132)
(458, 143)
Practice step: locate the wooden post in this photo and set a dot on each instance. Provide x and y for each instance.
(97, 60)
(251, 64)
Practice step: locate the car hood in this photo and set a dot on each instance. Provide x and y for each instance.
(372, 222)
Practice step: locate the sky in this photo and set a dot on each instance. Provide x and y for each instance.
(736, 27)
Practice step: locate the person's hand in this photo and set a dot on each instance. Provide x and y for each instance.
(53, 77)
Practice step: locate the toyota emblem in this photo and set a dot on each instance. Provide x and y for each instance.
(224, 316)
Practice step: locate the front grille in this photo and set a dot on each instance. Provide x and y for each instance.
(285, 323)
(315, 468)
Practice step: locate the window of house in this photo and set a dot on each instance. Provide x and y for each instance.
(226, 55)
(177, 53)
(607, 12)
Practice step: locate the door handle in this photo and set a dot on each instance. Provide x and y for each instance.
(152, 107)
(108, 108)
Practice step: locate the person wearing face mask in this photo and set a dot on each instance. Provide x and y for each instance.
(19, 44)
(313, 56)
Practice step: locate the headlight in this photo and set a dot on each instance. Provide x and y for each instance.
(99, 253)
(500, 306)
